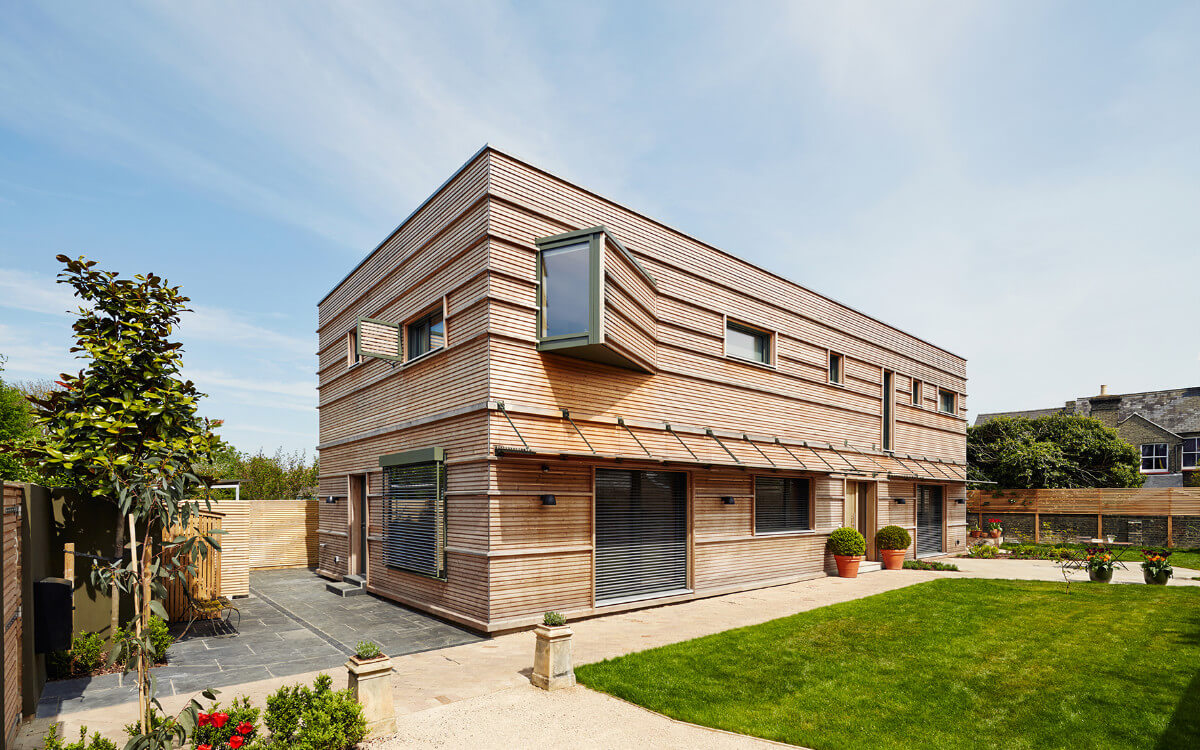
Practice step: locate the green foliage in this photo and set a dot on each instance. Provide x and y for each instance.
(83, 658)
(16, 430)
(316, 718)
(1037, 551)
(53, 742)
(1058, 451)
(367, 650)
(847, 541)
(1157, 562)
(554, 619)
(892, 537)
(928, 565)
(982, 550)
(275, 477)
(158, 635)
(238, 718)
(1191, 479)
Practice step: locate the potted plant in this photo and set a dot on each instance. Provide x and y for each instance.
(975, 531)
(1156, 568)
(552, 668)
(892, 541)
(994, 527)
(370, 683)
(848, 548)
(1099, 564)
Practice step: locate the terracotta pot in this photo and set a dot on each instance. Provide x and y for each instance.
(893, 559)
(848, 565)
(996, 533)
(1158, 580)
(974, 533)
(1100, 576)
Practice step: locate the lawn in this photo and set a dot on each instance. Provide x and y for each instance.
(1189, 558)
(948, 663)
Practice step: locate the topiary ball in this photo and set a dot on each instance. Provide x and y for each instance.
(892, 537)
(847, 541)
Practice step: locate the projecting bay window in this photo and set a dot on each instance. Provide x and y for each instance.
(782, 505)
(426, 334)
(1154, 458)
(1191, 453)
(567, 289)
(414, 511)
(748, 343)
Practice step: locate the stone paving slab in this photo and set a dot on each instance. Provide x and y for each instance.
(290, 625)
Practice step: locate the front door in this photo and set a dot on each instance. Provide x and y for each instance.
(357, 522)
(860, 512)
(641, 534)
(929, 519)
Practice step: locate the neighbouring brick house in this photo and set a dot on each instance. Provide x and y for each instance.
(1163, 425)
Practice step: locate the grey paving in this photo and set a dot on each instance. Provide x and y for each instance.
(289, 625)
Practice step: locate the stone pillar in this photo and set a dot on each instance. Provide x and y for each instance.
(370, 683)
(552, 669)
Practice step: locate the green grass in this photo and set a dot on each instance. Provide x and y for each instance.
(1189, 558)
(948, 663)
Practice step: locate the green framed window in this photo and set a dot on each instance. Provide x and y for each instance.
(426, 334)
(414, 511)
(570, 293)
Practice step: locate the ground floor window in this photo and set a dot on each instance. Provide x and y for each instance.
(782, 504)
(414, 511)
(1154, 457)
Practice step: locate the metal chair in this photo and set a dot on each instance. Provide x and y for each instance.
(213, 609)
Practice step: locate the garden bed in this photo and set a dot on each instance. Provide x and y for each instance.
(948, 663)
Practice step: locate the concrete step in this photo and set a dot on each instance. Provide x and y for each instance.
(355, 580)
(344, 589)
(867, 566)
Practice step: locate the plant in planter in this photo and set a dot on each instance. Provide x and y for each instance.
(892, 541)
(995, 528)
(370, 684)
(848, 548)
(1099, 564)
(552, 668)
(975, 531)
(1156, 568)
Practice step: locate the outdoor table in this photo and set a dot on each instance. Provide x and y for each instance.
(1118, 550)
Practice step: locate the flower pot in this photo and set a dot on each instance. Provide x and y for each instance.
(1100, 575)
(975, 533)
(847, 565)
(1156, 580)
(893, 559)
(995, 533)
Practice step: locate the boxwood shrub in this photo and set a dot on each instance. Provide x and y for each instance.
(847, 541)
(892, 537)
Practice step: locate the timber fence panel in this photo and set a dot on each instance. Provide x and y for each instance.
(206, 583)
(10, 611)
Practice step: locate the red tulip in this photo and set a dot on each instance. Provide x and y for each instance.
(245, 728)
(236, 741)
(219, 720)
(204, 747)
(205, 720)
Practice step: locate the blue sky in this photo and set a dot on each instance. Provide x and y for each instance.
(1018, 182)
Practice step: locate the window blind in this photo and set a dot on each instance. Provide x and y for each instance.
(781, 504)
(414, 517)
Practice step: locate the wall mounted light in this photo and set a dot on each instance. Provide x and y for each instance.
(900, 500)
(961, 501)
(549, 500)
(545, 468)
(728, 500)
(331, 499)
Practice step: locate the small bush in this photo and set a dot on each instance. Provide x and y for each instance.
(83, 658)
(158, 634)
(847, 541)
(553, 619)
(316, 718)
(217, 727)
(981, 551)
(367, 650)
(53, 742)
(928, 565)
(892, 537)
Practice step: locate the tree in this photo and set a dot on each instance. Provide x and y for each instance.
(125, 429)
(1058, 451)
(16, 428)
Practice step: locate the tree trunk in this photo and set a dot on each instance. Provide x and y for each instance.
(138, 605)
(114, 621)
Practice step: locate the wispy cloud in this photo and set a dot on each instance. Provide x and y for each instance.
(31, 292)
(235, 329)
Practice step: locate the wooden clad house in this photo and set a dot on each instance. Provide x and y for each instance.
(532, 399)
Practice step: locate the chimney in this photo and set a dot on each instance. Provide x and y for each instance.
(1105, 407)
(1104, 390)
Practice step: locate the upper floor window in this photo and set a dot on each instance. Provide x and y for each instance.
(426, 334)
(1154, 457)
(916, 392)
(836, 362)
(566, 289)
(749, 343)
(889, 419)
(947, 401)
(1191, 453)
(782, 504)
(353, 356)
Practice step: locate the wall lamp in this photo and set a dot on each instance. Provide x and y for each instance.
(331, 499)
(728, 500)
(549, 500)
(899, 500)
(961, 500)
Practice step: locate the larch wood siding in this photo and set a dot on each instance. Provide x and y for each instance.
(472, 248)
(10, 612)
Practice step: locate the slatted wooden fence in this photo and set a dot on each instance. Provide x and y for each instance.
(10, 612)
(1167, 515)
(264, 534)
(206, 583)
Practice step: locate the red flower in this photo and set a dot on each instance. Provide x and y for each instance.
(205, 720)
(219, 720)
(245, 728)
(236, 741)
(204, 747)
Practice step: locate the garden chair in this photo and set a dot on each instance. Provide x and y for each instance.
(213, 609)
